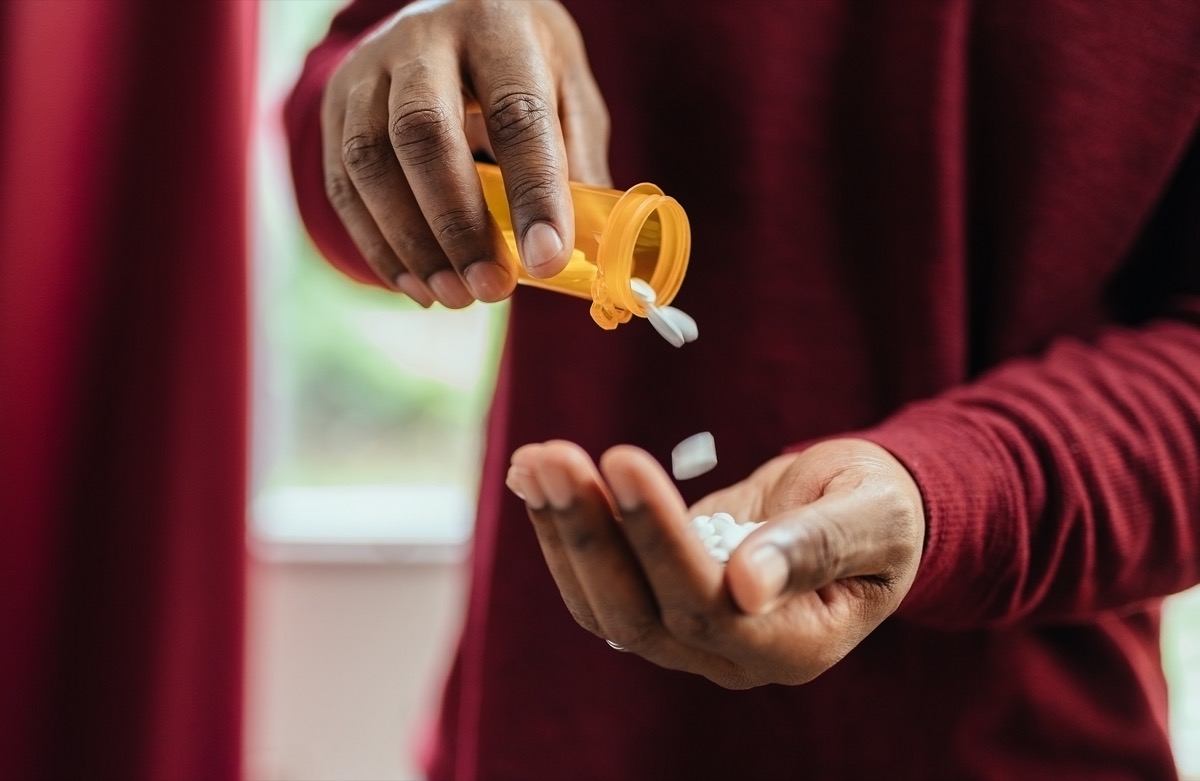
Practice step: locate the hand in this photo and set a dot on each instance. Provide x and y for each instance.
(839, 550)
(406, 110)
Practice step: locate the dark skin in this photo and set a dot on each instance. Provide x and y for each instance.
(402, 118)
(838, 553)
(408, 108)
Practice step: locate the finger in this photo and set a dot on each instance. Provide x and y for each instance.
(598, 557)
(835, 537)
(426, 127)
(626, 610)
(585, 127)
(523, 483)
(686, 582)
(376, 174)
(517, 95)
(583, 536)
(344, 198)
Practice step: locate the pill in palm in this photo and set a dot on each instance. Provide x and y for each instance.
(694, 456)
(720, 539)
(722, 522)
(702, 527)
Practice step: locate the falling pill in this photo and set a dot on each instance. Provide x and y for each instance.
(682, 321)
(665, 326)
(694, 456)
(672, 323)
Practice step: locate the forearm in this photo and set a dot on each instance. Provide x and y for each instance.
(1060, 487)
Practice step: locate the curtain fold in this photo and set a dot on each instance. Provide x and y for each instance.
(123, 387)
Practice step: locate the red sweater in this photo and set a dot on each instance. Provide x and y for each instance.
(967, 231)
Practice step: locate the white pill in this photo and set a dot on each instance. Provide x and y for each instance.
(673, 324)
(682, 321)
(721, 540)
(723, 522)
(642, 290)
(694, 456)
(665, 326)
(732, 537)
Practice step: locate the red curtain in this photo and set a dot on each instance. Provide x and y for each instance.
(123, 394)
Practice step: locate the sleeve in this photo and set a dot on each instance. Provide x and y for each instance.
(1068, 484)
(302, 125)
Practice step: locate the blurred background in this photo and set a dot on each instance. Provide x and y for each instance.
(367, 421)
(367, 424)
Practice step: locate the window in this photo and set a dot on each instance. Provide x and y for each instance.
(368, 409)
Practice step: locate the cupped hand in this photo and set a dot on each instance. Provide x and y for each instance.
(838, 552)
(405, 112)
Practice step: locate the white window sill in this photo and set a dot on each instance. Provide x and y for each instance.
(418, 524)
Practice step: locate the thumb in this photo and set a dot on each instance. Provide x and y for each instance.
(805, 550)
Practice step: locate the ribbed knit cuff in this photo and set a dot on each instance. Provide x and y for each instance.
(966, 479)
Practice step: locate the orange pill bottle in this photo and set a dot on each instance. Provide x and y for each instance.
(640, 232)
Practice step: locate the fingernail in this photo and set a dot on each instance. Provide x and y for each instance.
(412, 287)
(449, 289)
(772, 570)
(542, 243)
(521, 483)
(488, 281)
(624, 491)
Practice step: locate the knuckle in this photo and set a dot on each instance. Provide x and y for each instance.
(531, 191)
(420, 131)
(494, 11)
(365, 156)
(579, 539)
(339, 191)
(456, 224)
(518, 116)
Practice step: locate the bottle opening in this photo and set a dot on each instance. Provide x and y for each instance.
(647, 247)
(648, 237)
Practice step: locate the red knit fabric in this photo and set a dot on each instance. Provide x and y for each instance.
(122, 388)
(968, 231)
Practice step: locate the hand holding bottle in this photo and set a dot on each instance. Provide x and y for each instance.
(404, 114)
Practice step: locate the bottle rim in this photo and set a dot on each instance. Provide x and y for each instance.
(613, 299)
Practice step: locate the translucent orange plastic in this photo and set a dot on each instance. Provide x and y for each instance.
(618, 235)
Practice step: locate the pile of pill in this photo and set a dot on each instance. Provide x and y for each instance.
(720, 533)
(674, 325)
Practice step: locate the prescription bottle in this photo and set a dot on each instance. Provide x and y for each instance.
(618, 235)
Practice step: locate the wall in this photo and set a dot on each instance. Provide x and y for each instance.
(345, 660)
